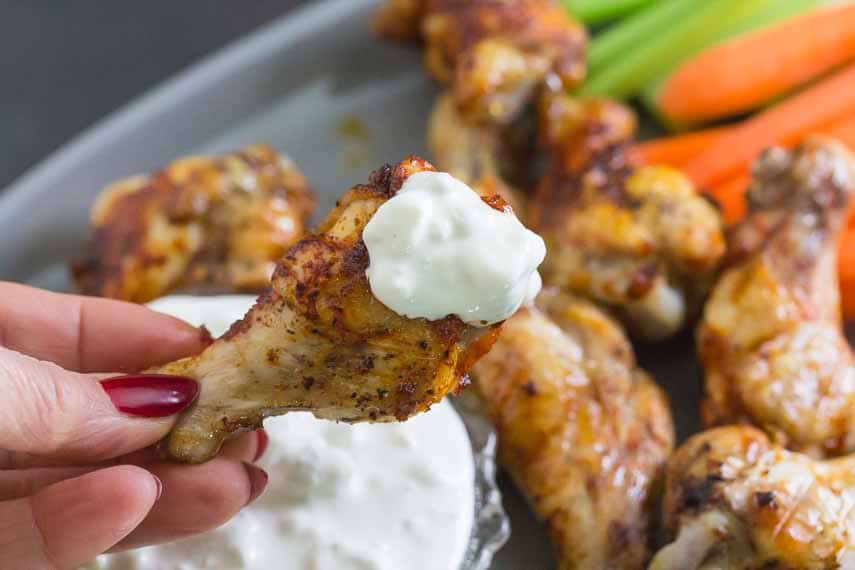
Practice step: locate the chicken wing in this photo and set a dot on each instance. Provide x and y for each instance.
(771, 339)
(492, 54)
(488, 158)
(318, 340)
(203, 223)
(640, 241)
(734, 500)
(584, 432)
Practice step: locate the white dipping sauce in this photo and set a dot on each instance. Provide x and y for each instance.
(340, 497)
(437, 249)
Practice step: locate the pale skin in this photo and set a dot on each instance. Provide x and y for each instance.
(78, 477)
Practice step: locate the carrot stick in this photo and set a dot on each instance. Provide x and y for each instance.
(844, 131)
(731, 197)
(677, 149)
(785, 123)
(656, 54)
(846, 270)
(745, 72)
(775, 12)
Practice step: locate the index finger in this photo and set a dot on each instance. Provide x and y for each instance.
(88, 334)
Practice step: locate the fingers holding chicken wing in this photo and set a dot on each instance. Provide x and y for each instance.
(203, 223)
(583, 432)
(320, 341)
(771, 339)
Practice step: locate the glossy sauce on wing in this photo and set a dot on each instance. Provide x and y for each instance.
(438, 249)
(349, 497)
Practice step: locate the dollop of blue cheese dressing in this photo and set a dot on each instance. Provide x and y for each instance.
(437, 249)
(344, 497)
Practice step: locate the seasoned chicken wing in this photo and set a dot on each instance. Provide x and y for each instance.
(584, 432)
(736, 501)
(489, 158)
(492, 54)
(203, 223)
(318, 340)
(771, 339)
(640, 241)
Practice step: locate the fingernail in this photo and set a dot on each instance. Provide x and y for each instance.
(257, 480)
(159, 484)
(151, 395)
(261, 444)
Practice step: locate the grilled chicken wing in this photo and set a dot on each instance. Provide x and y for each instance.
(771, 339)
(584, 432)
(640, 241)
(736, 501)
(492, 54)
(203, 223)
(488, 158)
(318, 340)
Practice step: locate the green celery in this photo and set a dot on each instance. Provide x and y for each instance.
(637, 68)
(597, 11)
(634, 31)
(777, 11)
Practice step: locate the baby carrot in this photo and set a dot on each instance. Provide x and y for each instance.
(846, 269)
(731, 198)
(676, 150)
(785, 123)
(756, 67)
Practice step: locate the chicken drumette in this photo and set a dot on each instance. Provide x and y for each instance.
(771, 339)
(736, 501)
(212, 224)
(639, 240)
(492, 54)
(489, 158)
(584, 432)
(318, 340)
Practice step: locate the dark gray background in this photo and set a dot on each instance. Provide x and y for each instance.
(65, 64)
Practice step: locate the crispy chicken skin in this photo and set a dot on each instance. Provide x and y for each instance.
(584, 432)
(318, 340)
(202, 223)
(771, 339)
(640, 241)
(492, 54)
(736, 501)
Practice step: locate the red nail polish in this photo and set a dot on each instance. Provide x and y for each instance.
(261, 444)
(257, 480)
(151, 395)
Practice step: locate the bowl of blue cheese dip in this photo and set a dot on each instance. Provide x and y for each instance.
(419, 495)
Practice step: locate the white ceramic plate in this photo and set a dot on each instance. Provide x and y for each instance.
(294, 84)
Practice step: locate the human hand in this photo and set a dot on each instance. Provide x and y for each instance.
(77, 474)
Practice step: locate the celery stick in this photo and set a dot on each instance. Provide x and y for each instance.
(634, 31)
(628, 76)
(596, 11)
(777, 11)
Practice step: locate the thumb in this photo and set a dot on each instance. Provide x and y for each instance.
(50, 412)
(70, 523)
